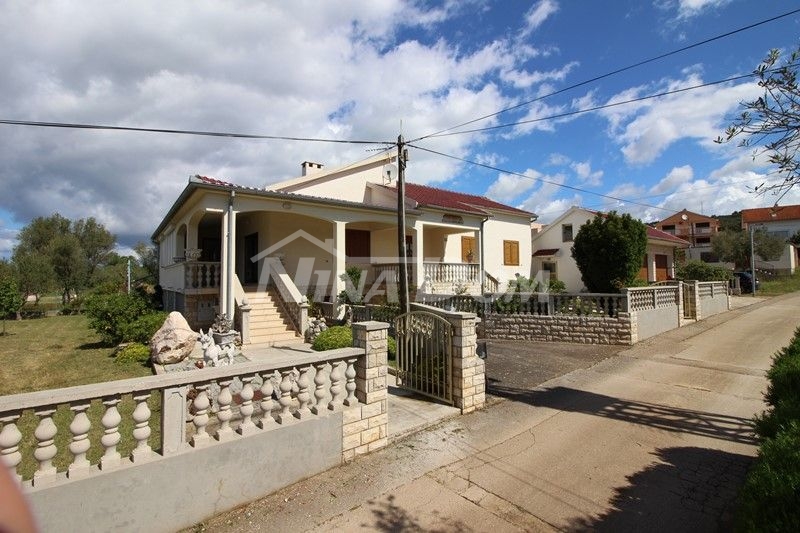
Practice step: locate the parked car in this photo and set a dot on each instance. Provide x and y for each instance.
(746, 281)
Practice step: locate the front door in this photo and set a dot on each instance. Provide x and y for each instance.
(662, 272)
(250, 249)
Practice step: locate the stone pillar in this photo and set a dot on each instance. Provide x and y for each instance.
(469, 371)
(338, 261)
(680, 301)
(245, 309)
(366, 424)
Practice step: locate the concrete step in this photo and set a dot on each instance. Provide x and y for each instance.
(272, 339)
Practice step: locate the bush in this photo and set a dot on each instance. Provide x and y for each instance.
(392, 348)
(143, 328)
(783, 391)
(110, 313)
(770, 497)
(700, 271)
(133, 353)
(333, 338)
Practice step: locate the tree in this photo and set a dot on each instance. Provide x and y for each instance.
(734, 246)
(795, 239)
(772, 121)
(69, 265)
(34, 273)
(609, 250)
(96, 242)
(10, 299)
(148, 260)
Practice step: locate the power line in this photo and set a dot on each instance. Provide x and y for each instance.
(612, 73)
(591, 109)
(69, 125)
(533, 178)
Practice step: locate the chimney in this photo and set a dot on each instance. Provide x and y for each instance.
(310, 168)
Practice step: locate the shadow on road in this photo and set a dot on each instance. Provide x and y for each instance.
(717, 426)
(686, 488)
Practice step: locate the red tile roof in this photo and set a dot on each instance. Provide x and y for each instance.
(765, 214)
(431, 196)
(545, 252)
(653, 233)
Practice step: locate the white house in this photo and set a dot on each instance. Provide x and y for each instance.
(553, 243)
(305, 233)
(780, 221)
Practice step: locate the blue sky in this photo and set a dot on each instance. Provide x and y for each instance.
(370, 70)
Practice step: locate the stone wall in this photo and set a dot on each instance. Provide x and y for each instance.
(560, 328)
(469, 370)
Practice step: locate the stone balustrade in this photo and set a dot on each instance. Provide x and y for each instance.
(451, 273)
(201, 274)
(244, 415)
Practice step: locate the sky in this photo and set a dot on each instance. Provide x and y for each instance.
(371, 70)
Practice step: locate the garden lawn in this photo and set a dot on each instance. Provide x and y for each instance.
(61, 351)
(55, 352)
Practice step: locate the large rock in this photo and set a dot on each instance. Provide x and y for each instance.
(173, 342)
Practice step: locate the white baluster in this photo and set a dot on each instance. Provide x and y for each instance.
(337, 376)
(303, 395)
(45, 446)
(285, 399)
(350, 386)
(80, 441)
(201, 404)
(10, 437)
(111, 437)
(141, 428)
(266, 402)
(225, 432)
(246, 427)
(319, 391)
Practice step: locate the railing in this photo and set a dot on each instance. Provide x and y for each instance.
(644, 298)
(201, 274)
(294, 303)
(391, 271)
(451, 273)
(309, 386)
(551, 304)
(380, 313)
(462, 303)
(491, 283)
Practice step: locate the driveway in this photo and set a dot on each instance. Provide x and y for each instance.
(515, 365)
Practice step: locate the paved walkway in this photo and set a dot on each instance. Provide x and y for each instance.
(656, 438)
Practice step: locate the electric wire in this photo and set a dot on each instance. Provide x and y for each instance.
(612, 73)
(72, 125)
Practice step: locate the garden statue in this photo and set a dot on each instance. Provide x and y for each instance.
(214, 354)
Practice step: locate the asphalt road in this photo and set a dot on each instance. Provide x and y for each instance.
(655, 438)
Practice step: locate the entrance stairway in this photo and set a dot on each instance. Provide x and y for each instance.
(269, 324)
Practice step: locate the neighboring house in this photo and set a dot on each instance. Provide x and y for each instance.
(306, 231)
(780, 221)
(695, 228)
(553, 244)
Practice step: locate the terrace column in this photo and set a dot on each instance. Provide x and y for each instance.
(228, 263)
(339, 263)
(651, 267)
(416, 262)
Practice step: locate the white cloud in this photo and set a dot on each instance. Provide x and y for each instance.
(523, 80)
(557, 159)
(677, 176)
(687, 9)
(646, 129)
(585, 174)
(537, 14)
(508, 187)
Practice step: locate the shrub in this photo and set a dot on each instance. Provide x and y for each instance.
(392, 348)
(783, 391)
(333, 338)
(110, 313)
(143, 328)
(700, 271)
(133, 353)
(770, 497)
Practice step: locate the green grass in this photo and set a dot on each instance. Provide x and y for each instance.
(62, 351)
(55, 352)
(779, 285)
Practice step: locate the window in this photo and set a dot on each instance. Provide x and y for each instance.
(452, 219)
(702, 225)
(550, 267)
(468, 254)
(566, 232)
(511, 253)
(668, 228)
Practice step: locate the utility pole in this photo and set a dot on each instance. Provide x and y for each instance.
(129, 275)
(401, 224)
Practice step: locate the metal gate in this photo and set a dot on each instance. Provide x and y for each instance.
(424, 362)
(689, 302)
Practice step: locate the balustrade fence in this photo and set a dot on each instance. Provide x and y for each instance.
(48, 437)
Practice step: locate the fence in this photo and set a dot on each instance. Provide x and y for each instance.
(221, 439)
